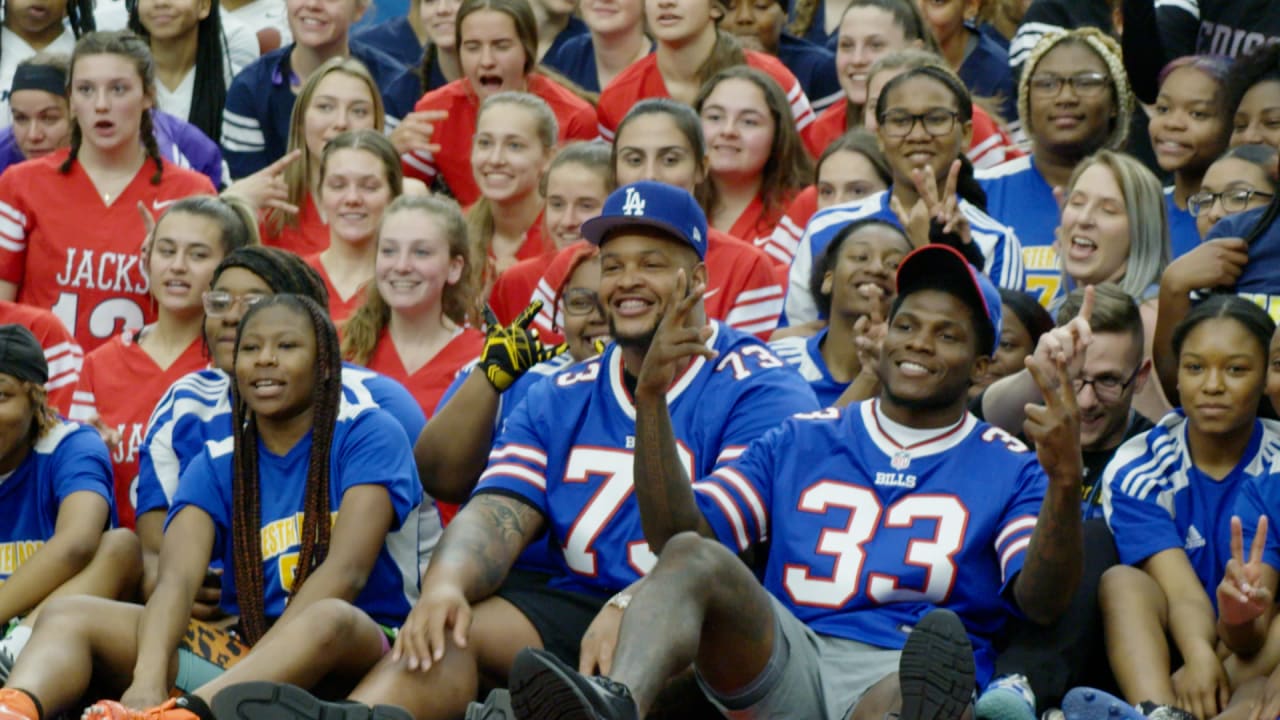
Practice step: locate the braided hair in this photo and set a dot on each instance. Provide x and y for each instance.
(127, 45)
(209, 91)
(246, 498)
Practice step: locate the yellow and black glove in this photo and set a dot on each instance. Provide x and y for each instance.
(510, 351)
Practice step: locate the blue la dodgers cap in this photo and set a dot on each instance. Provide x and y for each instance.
(664, 207)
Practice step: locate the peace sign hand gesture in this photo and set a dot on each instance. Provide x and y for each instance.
(931, 207)
(1241, 595)
(676, 340)
(1054, 427)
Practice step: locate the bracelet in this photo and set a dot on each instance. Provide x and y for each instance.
(621, 600)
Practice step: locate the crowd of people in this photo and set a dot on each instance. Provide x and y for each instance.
(533, 359)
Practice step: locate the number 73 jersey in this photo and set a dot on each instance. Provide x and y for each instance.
(568, 449)
(866, 538)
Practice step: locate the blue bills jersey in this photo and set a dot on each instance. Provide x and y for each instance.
(367, 449)
(805, 355)
(866, 537)
(567, 450)
(1001, 250)
(1156, 499)
(69, 458)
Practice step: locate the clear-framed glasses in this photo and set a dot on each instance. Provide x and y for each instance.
(1085, 84)
(580, 301)
(936, 122)
(1233, 201)
(218, 303)
(1108, 388)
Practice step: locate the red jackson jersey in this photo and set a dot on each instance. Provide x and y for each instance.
(69, 252)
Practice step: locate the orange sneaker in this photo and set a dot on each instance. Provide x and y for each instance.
(17, 705)
(112, 710)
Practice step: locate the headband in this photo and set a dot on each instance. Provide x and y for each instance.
(40, 77)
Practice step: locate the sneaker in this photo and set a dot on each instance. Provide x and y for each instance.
(1053, 714)
(1091, 704)
(6, 665)
(495, 707)
(1008, 697)
(17, 705)
(171, 709)
(279, 701)
(543, 688)
(1163, 712)
(936, 672)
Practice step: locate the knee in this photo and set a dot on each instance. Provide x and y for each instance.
(69, 612)
(331, 621)
(1122, 587)
(122, 549)
(691, 551)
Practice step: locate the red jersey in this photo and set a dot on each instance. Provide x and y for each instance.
(576, 117)
(549, 319)
(643, 80)
(990, 145)
(781, 245)
(121, 384)
(513, 289)
(68, 252)
(755, 225)
(339, 309)
(310, 237)
(428, 383)
(61, 351)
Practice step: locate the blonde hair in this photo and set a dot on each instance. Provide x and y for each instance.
(1108, 50)
(361, 331)
(298, 175)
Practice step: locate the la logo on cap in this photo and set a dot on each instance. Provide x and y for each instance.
(634, 204)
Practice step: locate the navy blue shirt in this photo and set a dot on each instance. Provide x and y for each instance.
(575, 58)
(255, 121)
(985, 71)
(394, 37)
(1259, 282)
(575, 29)
(814, 66)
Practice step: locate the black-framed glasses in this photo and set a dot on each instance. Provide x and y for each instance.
(219, 302)
(1108, 388)
(1085, 84)
(579, 302)
(1233, 201)
(936, 122)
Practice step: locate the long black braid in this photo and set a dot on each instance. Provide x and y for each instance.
(128, 45)
(209, 91)
(246, 487)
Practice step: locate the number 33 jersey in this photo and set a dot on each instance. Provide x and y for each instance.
(567, 450)
(867, 537)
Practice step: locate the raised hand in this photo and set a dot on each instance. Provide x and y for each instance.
(267, 187)
(1066, 345)
(870, 330)
(510, 351)
(442, 612)
(1054, 427)
(1241, 595)
(415, 131)
(676, 340)
(1216, 263)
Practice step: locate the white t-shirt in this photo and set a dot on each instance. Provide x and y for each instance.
(261, 14)
(178, 101)
(13, 50)
(241, 47)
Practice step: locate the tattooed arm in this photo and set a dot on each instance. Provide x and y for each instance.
(471, 561)
(663, 491)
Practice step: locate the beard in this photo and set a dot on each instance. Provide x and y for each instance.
(641, 341)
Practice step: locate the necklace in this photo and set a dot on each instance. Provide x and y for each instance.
(902, 458)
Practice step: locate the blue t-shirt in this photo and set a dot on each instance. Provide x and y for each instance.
(567, 449)
(1020, 197)
(367, 449)
(999, 245)
(866, 538)
(1183, 234)
(1260, 495)
(69, 458)
(1259, 282)
(1156, 499)
(805, 355)
(814, 66)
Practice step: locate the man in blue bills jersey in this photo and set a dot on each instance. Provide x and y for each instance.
(902, 531)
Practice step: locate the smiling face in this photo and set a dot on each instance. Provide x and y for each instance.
(354, 191)
(676, 23)
(341, 102)
(183, 255)
(414, 264)
(275, 363)
(756, 23)
(918, 148)
(1067, 122)
(1257, 118)
(946, 17)
(584, 320)
(608, 17)
(638, 279)
(862, 280)
(651, 147)
(1222, 372)
(846, 176)
(322, 24)
(439, 19)
(867, 33)
(107, 100)
(929, 357)
(507, 155)
(575, 194)
(170, 19)
(739, 129)
(41, 122)
(36, 21)
(1110, 358)
(1093, 238)
(1188, 128)
(1226, 175)
(220, 331)
(491, 55)
(1014, 347)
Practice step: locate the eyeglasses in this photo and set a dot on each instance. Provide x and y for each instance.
(579, 302)
(1108, 388)
(218, 303)
(1233, 201)
(936, 122)
(1085, 84)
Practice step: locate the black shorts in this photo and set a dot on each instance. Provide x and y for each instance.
(561, 617)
